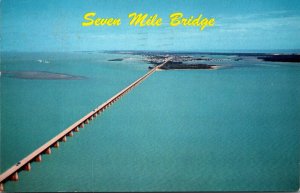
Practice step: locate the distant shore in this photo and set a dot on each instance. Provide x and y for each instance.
(281, 58)
(176, 66)
(204, 61)
(179, 63)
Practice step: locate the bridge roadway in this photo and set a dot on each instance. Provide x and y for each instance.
(36, 156)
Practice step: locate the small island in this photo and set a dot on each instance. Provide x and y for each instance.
(179, 63)
(41, 75)
(117, 59)
(281, 58)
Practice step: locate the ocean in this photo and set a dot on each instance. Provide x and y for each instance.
(231, 129)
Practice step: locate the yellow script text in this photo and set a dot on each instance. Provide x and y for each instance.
(88, 17)
(178, 19)
(143, 20)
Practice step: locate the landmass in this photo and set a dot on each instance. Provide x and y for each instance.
(281, 58)
(179, 62)
(39, 75)
(179, 65)
(208, 60)
(116, 59)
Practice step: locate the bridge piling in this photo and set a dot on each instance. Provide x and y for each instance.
(14, 177)
(1, 187)
(70, 134)
(48, 151)
(27, 167)
(64, 139)
(56, 144)
(38, 158)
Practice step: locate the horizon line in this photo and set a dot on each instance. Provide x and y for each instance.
(261, 51)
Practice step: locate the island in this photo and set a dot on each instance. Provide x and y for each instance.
(42, 75)
(178, 62)
(281, 58)
(116, 59)
(179, 65)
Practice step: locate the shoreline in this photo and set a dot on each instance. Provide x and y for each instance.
(186, 69)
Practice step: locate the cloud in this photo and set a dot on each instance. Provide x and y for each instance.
(269, 21)
(265, 21)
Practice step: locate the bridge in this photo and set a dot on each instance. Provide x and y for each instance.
(36, 156)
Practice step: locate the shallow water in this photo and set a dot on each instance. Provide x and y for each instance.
(182, 130)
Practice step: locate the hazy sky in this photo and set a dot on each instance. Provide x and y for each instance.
(55, 25)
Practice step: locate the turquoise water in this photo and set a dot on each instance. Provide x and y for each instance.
(229, 129)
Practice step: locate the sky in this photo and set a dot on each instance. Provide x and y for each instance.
(43, 25)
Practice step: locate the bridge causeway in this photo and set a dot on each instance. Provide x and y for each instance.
(36, 156)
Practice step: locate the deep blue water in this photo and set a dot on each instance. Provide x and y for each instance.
(184, 130)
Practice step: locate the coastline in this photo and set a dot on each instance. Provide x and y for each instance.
(187, 69)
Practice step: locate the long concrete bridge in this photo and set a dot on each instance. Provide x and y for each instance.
(36, 156)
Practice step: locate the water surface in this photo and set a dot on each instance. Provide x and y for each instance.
(183, 130)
